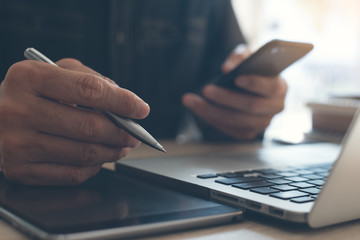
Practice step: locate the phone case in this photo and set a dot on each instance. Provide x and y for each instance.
(269, 60)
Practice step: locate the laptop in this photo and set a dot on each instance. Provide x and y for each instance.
(313, 183)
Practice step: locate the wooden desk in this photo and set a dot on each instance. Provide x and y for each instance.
(253, 226)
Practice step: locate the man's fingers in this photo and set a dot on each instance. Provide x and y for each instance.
(76, 65)
(50, 143)
(49, 174)
(41, 148)
(51, 149)
(222, 118)
(74, 123)
(242, 101)
(235, 58)
(263, 86)
(76, 87)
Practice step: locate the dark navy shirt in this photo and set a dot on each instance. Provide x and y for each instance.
(159, 49)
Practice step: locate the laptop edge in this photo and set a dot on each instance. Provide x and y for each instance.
(329, 208)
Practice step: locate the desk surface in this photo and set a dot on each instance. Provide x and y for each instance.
(253, 226)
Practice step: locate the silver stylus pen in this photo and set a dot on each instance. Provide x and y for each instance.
(126, 124)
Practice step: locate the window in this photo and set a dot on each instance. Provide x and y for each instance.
(333, 67)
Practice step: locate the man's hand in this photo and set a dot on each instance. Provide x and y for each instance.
(45, 139)
(239, 115)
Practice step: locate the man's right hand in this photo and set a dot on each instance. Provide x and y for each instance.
(45, 139)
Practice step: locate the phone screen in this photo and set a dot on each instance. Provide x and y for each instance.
(108, 200)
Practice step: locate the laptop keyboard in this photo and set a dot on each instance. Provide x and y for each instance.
(298, 185)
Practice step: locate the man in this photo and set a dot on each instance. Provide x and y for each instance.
(161, 50)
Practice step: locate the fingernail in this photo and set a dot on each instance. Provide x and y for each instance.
(209, 91)
(241, 81)
(228, 65)
(190, 100)
(142, 109)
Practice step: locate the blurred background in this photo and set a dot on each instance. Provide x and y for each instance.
(333, 67)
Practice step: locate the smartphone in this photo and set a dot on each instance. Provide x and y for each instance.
(269, 60)
(108, 205)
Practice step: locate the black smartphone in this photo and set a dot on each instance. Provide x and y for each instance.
(269, 60)
(108, 205)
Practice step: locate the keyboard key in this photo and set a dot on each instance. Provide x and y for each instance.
(318, 170)
(287, 174)
(296, 179)
(264, 190)
(265, 171)
(206, 176)
(252, 185)
(302, 199)
(228, 175)
(289, 194)
(316, 182)
(312, 176)
(324, 174)
(303, 171)
(253, 174)
(284, 187)
(278, 181)
(310, 190)
(240, 173)
(229, 181)
(269, 176)
(301, 184)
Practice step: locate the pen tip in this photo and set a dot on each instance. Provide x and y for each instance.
(163, 150)
(160, 148)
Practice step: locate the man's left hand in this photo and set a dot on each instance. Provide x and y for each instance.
(239, 114)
